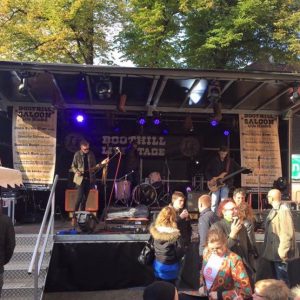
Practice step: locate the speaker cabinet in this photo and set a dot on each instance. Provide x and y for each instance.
(192, 200)
(91, 204)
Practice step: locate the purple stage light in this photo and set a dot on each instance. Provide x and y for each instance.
(213, 123)
(156, 121)
(80, 118)
(142, 121)
(226, 132)
(165, 131)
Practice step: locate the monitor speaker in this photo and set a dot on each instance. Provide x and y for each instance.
(91, 204)
(86, 221)
(192, 200)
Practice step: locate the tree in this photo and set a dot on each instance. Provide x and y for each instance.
(150, 33)
(211, 33)
(56, 30)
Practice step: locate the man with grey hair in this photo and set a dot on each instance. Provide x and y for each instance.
(280, 242)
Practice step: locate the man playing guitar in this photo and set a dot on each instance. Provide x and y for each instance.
(84, 167)
(217, 168)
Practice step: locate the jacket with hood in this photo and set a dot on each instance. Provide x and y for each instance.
(167, 244)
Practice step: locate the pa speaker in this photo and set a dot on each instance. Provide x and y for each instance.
(91, 204)
(192, 200)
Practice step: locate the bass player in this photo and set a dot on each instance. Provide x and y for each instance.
(217, 168)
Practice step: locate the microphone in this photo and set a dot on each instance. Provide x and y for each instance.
(117, 149)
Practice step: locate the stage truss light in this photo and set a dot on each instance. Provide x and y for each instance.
(80, 118)
(142, 120)
(295, 93)
(104, 88)
(214, 123)
(226, 132)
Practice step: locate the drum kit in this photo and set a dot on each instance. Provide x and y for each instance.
(148, 193)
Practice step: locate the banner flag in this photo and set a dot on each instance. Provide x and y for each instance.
(260, 150)
(34, 144)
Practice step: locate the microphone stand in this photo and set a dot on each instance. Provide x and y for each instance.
(168, 176)
(260, 206)
(104, 180)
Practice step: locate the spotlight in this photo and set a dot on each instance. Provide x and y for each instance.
(226, 132)
(23, 87)
(156, 121)
(165, 131)
(142, 121)
(214, 92)
(116, 129)
(79, 118)
(294, 96)
(104, 89)
(214, 123)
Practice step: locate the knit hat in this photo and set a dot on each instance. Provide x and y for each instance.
(159, 290)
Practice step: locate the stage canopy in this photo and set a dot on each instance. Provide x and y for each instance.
(136, 90)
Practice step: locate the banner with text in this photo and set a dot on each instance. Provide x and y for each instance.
(260, 150)
(34, 144)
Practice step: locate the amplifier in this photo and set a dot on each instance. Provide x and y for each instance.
(92, 203)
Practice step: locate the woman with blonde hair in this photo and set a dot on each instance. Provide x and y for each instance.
(167, 245)
(223, 275)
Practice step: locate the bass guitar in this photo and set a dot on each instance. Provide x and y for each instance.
(217, 182)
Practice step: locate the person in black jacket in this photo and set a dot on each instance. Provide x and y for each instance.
(7, 243)
(182, 218)
(206, 219)
(167, 245)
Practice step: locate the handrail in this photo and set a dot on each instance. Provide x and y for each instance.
(35, 261)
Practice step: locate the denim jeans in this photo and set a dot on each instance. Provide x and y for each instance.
(281, 273)
(220, 194)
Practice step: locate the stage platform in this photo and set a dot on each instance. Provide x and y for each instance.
(107, 260)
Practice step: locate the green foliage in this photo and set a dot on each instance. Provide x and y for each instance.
(69, 31)
(154, 33)
(210, 33)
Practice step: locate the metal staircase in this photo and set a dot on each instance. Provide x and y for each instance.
(18, 284)
(25, 274)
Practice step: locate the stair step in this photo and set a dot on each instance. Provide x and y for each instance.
(21, 274)
(20, 283)
(19, 293)
(26, 255)
(23, 265)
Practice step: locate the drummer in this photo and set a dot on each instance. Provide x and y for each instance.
(132, 164)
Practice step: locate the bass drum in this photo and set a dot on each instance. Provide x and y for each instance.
(144, 194)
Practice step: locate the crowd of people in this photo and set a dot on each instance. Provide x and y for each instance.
(227, 249)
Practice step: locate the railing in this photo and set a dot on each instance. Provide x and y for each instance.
(38, 256)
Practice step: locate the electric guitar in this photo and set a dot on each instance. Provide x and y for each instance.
(217, 182)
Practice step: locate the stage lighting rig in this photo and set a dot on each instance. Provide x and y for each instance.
(24, 87)
(295, 93)
(214, 96)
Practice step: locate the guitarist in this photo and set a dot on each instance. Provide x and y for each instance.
(217, 168)
(84, 168)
